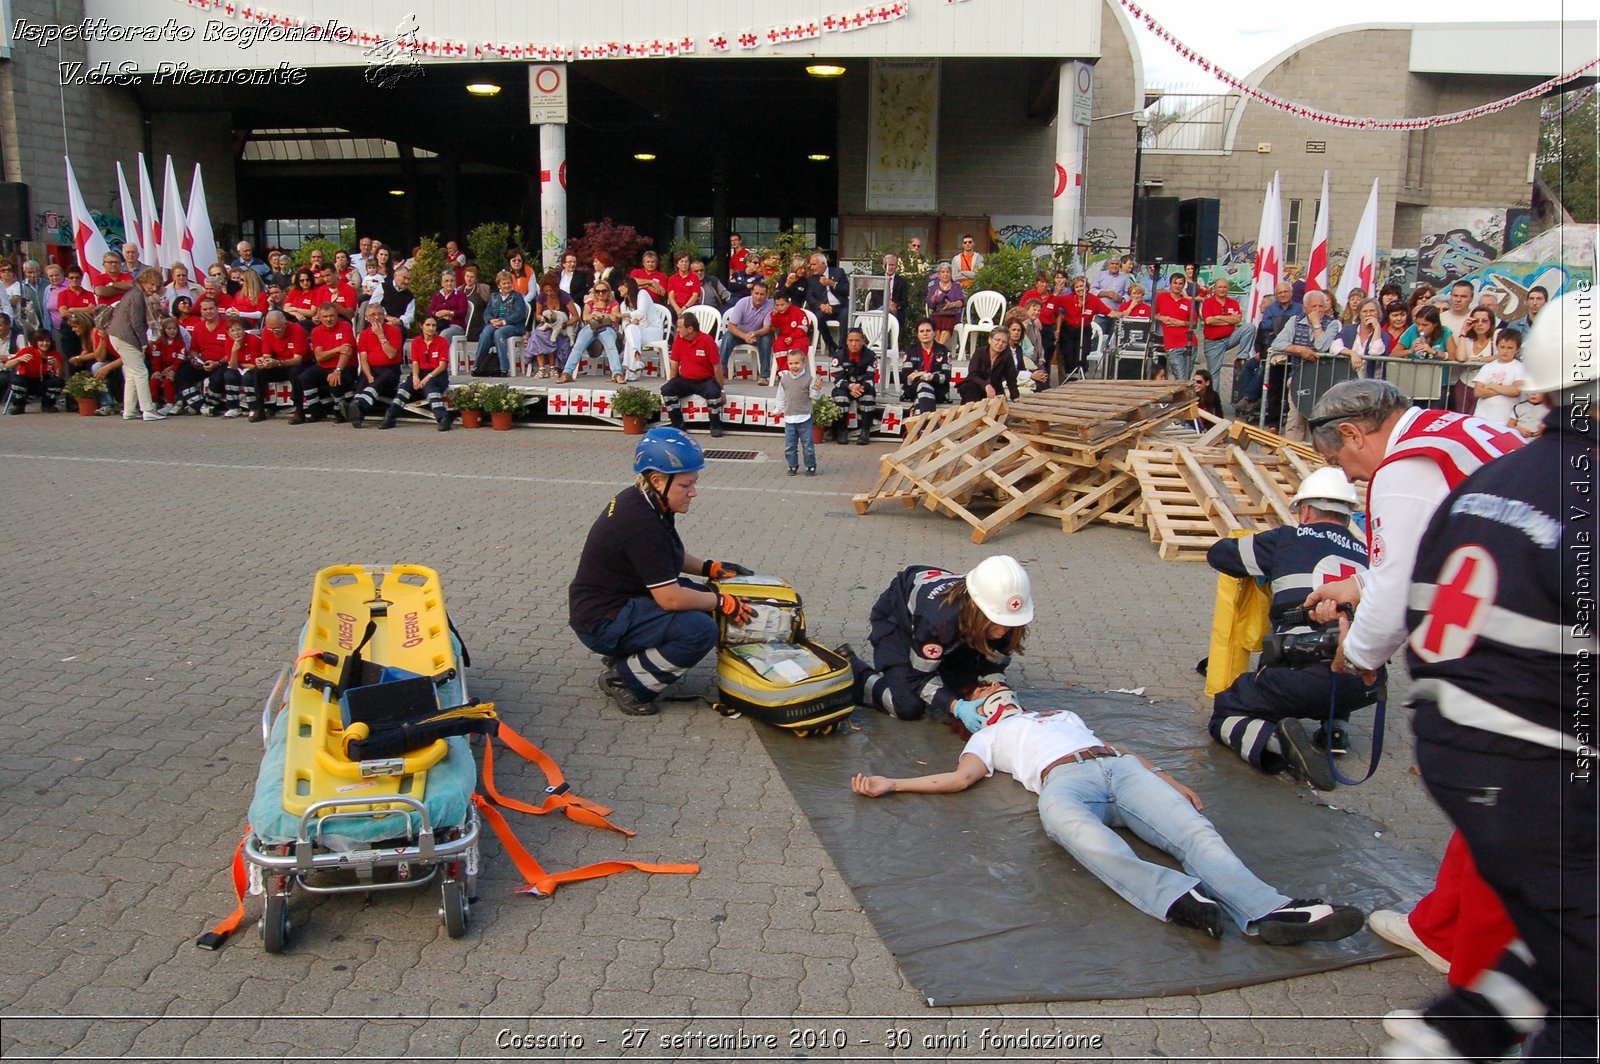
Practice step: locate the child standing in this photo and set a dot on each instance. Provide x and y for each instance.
(796, 389)
(1498, 385)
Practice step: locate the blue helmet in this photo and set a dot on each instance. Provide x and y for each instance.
(668, 450)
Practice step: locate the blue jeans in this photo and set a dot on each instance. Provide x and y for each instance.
(798, 434)
(580, 347)
(1081, 803)
(500, 340)
(653, 647)
(1180, 364)
(763, 346)
(1242, 342)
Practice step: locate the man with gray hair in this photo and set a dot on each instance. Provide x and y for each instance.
(1304, 338)
(899, 292)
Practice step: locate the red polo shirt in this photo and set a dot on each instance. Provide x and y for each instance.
(367, 344)
(1210, 307)
(248, 352)
(429, 357)
(70, 300)
(686, 287)
(325, 339)
(292, 344)
(342, 295)
(697, 359)
(209, 343)
(1175, 338)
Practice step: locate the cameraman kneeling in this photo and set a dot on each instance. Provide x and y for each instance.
(1259, 715)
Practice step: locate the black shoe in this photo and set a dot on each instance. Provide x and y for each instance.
(811, 471)
(841, 434)
(1305, 762)
(716, 428)
(446, 420)
(257, 416)
(297, 418)
(864, 434)
(1309, 920)
(1193, 909)
(358, 414)
(848, 652)
(1340, 745)
(630, 703)
(794, 471)
(339, 414)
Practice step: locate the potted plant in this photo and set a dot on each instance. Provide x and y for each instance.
(825, 413)
(635, 406)
(468, 399)
(87, 389)
(501, 402)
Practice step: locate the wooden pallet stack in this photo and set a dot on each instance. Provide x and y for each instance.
(1135, 453)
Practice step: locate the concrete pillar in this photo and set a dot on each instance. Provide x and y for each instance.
(1066, 213)
(552, 193)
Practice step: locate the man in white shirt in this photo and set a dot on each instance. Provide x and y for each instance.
(1086, 788)
(1454, 315)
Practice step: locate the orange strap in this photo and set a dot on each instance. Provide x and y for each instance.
(543, 884)
(214, 938)
(557, 794)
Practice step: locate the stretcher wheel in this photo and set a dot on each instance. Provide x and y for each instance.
(454, 909)
(276, 924)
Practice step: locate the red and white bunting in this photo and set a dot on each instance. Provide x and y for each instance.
(1332, 118)
(662, 48)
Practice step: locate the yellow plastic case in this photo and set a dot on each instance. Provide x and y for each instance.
(406, 605)
(813, 699)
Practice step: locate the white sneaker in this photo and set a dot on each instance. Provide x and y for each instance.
(150, 415)
(1415, 1039)
(1395, 927)
(166, 410)
(233, 413)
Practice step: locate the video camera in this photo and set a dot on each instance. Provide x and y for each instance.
(1295, 650)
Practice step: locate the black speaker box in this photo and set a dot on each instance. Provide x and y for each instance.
(1197, 230)
(1158, 229)
(15, 217)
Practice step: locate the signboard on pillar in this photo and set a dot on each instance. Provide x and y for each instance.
(903, 135)
(1082, 93)
(547, 94)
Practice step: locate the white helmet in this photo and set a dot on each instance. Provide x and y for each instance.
(1000, 587)
(1550, 351)
(1327, 489)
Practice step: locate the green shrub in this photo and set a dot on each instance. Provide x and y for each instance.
(489, 244)
(1007, 270)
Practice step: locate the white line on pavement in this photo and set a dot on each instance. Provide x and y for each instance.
(403, 472)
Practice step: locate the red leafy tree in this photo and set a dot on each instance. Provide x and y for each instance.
(623, 243)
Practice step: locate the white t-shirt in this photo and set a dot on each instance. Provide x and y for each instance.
(1025, 743)
(1501, 409)
(1401, 503)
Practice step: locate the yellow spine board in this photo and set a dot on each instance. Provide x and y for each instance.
(1241, 617)
(413, 635)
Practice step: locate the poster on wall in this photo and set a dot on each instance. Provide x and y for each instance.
(903, 135)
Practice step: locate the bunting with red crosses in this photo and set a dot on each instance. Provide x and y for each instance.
(1343, 121)
(545, 52)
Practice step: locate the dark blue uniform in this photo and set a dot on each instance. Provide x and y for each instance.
(845, 371)
(1292, 561)
(633, 547)
(1503, 651)
(919, 663)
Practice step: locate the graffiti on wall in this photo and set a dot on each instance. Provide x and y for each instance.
(1443, 257)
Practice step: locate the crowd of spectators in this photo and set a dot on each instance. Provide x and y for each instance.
(212, 343)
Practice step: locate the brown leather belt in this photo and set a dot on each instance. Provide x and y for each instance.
(1088, 753)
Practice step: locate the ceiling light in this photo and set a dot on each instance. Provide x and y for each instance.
(644, 156)
(819, 157)
(824, 70)
(484, 88)
(397, 192)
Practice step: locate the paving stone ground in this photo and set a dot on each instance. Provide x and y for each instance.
(157, 578)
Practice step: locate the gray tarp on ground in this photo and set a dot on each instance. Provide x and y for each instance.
(980, 907)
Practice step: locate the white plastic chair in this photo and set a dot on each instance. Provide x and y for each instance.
(709, 319)
(458, 355)
(662, 349)
(888, 354)
(983, 313)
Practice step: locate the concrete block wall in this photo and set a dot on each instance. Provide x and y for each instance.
(102, 124)
(993, 159)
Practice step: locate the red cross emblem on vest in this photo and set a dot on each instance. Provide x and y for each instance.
(1468, 581)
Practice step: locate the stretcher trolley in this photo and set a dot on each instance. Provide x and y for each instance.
(368, 779)
(769, 668)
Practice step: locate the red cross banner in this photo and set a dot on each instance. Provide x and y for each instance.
(733, 411)
(600, 403)
(555, 401)
(581, 401)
